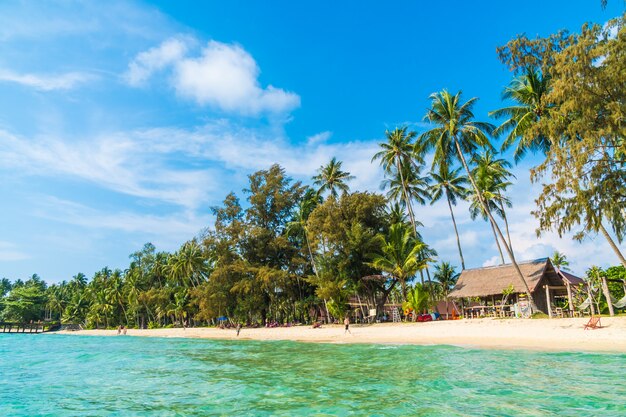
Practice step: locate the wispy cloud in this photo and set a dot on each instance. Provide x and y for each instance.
(224, 76)
(173, 227)
(9, 252)
(64, 81)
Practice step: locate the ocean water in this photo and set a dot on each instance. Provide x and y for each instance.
(54, 375)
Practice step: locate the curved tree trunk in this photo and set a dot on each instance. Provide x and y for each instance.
(506, 225)
(406, 198)
(456, 231)
(495, 226)
(613, 245)
(497, 243)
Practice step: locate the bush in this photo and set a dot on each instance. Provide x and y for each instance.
(539, 315)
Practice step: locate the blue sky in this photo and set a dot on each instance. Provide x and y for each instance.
(123, 122)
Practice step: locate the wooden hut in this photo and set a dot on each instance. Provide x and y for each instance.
(544, 281)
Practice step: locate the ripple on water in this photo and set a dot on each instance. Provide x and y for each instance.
(103, 376)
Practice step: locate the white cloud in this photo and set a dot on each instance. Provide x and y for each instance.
(224, 76)
(64, 81)
(9, 252)
(167, 230)
(123, 163)
(154, 59)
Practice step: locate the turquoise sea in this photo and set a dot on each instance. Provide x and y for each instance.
(54, 375)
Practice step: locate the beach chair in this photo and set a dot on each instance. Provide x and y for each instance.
(594, 323)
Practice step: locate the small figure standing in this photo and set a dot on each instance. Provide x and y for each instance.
(346, 321)
(123, 330)
(238, 328)
(119, 329)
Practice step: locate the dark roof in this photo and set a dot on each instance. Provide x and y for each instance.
(566, 276)
(492, 280)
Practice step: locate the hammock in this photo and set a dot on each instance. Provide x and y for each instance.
(621, 303)
(585, 304)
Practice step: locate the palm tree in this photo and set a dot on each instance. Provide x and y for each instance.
(298, 226)
(397, 155)
(416, 300)
(495, 171)
(410, 181)
(455, 134)
(189, 265)
(395, 213)
(446, 275)
(452, 184)
(559, 260)
(331, 178)
(528, 91)
(399, 255)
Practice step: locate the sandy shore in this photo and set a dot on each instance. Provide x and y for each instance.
(551, 335)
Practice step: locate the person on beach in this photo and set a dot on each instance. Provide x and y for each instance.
(346, 321)
(238, 328)
(124, 330)
(119, 330)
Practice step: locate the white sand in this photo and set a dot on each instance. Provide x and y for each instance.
(538, 334)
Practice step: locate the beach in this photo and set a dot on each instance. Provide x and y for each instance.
(538, 334)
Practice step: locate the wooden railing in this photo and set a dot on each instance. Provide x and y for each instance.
(14, 327)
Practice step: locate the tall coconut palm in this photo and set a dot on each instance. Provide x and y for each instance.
(331, 178)
(455, 134)
(559, 260)
(528, 92)
(490, 191)
(409, 181)
(298, 226)
(399, 255)
(451, 184)
(494, 172)
(395, 213)
(397, 155)
(446, 275)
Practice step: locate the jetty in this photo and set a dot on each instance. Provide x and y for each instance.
(13, 327)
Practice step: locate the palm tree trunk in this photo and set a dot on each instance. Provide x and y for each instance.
(456, 231)
(406, 198)
(506, 225)
(497, 244)
(308, 245)
(613, 245)
(533, 306)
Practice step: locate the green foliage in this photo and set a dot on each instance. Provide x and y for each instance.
(417, 300)
(24, 303)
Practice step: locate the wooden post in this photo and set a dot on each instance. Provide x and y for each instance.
(570, 300)
(607, 295)
(593, 309)
(547, 287)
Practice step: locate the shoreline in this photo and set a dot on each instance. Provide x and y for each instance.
(555, 335)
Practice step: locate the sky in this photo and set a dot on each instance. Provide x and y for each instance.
(122, 123)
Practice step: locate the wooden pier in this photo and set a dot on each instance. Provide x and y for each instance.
(23, 327)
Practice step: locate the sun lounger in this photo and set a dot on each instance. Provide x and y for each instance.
(594, 323)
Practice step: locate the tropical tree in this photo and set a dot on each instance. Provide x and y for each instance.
(399, 255)
(447, 276)
(496, 172)
(298, 226)
(416, 300)
(456, 134)
(452, 184)
(528, 92)
(396, 158)
(559, 260)
(331, 178)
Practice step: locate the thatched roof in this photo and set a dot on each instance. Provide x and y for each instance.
(492, 280)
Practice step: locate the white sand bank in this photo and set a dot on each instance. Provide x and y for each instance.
(551, 335)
